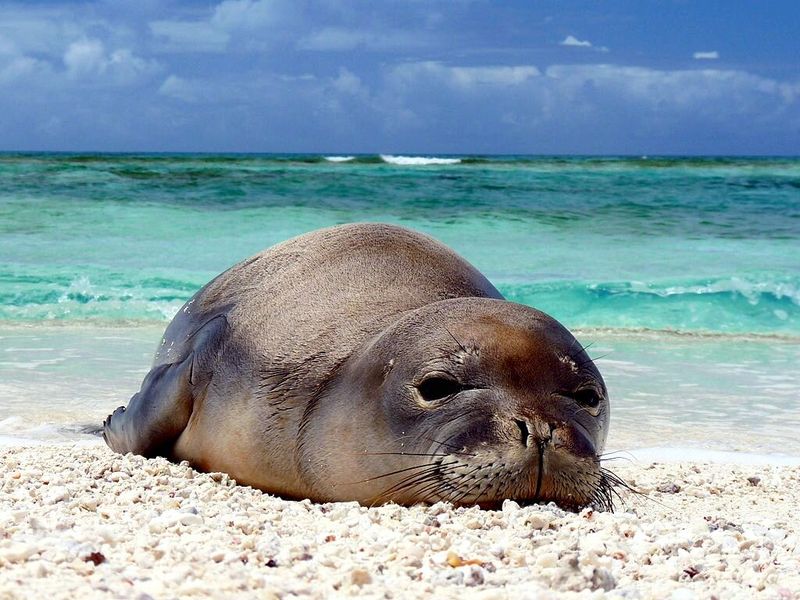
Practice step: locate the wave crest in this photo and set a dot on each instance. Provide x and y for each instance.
(106, 297)
(763, 305)
(752, 291)
(727, 305)
(418, 160)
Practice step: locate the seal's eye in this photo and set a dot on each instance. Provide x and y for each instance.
(437, 387)
(587, 397)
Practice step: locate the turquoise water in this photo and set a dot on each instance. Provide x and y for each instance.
(699, 257)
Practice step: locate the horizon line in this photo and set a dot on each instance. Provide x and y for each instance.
(636, 155)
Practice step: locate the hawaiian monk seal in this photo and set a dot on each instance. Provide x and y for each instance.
(369, 362)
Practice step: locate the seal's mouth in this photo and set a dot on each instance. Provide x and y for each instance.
(486, 477)
(528, 460)
(572, 483)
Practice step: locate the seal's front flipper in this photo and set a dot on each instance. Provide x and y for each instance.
(156, 415)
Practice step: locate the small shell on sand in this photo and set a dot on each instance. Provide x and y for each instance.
(80, 521)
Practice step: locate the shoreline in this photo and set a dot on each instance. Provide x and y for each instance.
(79, 520)
(157, 327)
(636, 457)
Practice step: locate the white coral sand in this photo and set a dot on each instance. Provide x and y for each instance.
(82, 522)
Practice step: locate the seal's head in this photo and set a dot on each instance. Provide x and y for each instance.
(467, 400)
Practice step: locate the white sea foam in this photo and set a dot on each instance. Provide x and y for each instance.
(339, 159)
(7, 441)
(16, 430)
(751, 290)
(679, 454)
(418, 160)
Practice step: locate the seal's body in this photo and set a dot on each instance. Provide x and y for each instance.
(369, 362)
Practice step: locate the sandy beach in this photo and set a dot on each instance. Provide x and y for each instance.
(78, 521)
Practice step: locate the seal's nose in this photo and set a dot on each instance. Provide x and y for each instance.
(525, 432)
(534, 431)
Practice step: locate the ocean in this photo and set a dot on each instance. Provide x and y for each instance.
(683, 273)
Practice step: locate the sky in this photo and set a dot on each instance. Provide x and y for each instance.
(411, 76)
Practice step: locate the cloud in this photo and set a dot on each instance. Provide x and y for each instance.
(335, 38)
(52, 47)
(116, 75)
(85, 57)
(464, 77)
(19, 67)
(571, 40)
(190, 36)
(228, 21)
(714, 94)
(14, 64)
(350, 84)
(712, 55)
(493, 76)
(664, 89)
(245, 14)
(287, 112)
(7, 47)
(636, 107)
(341, 39)
(38, 31)
(88, 57)
(178, 88)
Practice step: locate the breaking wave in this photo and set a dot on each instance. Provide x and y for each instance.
(732, 305)
(406, 161)
(725, 305)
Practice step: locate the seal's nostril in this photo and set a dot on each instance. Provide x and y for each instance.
(525, 434)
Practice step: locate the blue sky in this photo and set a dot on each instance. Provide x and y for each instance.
(412, 76)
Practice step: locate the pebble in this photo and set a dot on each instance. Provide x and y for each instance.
(17, 552)
(107, 524)
(474, 575)
(55, 495)
(171, 518)
(669, 488)
(360, 577)
(538, 521)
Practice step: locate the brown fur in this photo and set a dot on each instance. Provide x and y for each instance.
(296, 371)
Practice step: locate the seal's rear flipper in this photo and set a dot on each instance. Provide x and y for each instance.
(157, 415)
(90, 429)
